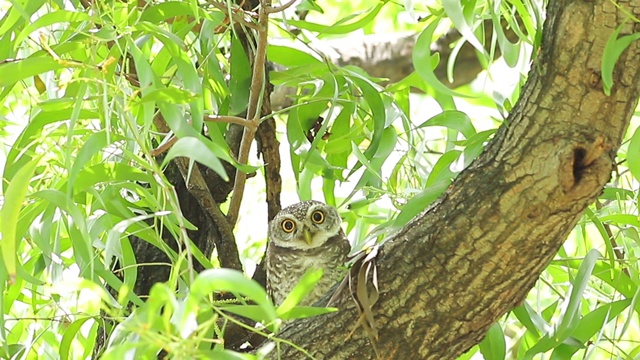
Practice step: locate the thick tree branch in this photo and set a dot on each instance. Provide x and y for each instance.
(504, 218)
(388, 56)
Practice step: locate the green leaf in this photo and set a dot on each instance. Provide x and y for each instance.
(633, 154)
(305, 285)
(195, 149)
(612, 50)
(510, 51)
(419, 203)
(240, 81)
(94, 144)
(108, 172)
(571, 313)
(301, 312)
(291, 57)
(17, 14)
(59, 16)
(13, 71)
(378, 110)
(9, 214)
(590, 325)
(70, 333)
(452, 119)
(441, 172)
(186, 70)
(340, 27)
(235, 282)
(424, 62)
(493, 346)
(160, 12)
(170, 95)
(364, 160)
(454, 8)
(119, 247)
(168, 38)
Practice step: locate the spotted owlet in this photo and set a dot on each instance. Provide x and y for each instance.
(303, 236)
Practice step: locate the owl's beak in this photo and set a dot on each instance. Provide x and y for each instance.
(308, 237)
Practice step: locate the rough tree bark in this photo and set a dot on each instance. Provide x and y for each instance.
(474, 255)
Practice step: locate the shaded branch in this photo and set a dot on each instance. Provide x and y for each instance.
(197, 186)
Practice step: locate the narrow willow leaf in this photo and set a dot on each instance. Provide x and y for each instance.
(59, 16)
(441, 171)
(160, 12)
(340, 27)
(195, 149)
(70, 333)
(633, 154)
(235, 282)
(94, 144)
(19, 156)
(420, 202)
(530, 319)
(240, 81)
(612, 50)
(452, 119)
(18, 13)
(571, 312)
(301, 312)
(290, 57)
(364, 160)
(9, 214)
(424, 61)
(38, 63)
(454, 8)
(171, 95)
(590, 325)
(378, 111)
(39, 85)
(493, 346)
(305, 285)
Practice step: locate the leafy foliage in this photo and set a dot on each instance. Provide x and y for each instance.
(87, 87)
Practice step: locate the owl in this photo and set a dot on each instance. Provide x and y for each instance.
(305, 236)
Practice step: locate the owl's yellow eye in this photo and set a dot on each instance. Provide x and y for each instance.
(317, 217)
(288, 226)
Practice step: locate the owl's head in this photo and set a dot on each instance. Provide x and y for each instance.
(305, 225)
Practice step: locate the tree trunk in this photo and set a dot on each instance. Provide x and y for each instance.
(474, 255)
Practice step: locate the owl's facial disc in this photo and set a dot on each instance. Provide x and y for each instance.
(305, 226)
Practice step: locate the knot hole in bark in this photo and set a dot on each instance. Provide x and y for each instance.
(579, 154)
(585, 155)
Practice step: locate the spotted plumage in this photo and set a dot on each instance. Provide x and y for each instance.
(304, 236)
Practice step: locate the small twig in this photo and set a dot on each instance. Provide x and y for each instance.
(275, 9)
(253, 113)
(240, 19)
(163, 147)
(229, 119)
(614, 245)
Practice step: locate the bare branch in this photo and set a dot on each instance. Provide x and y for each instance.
(276, 9)
(229, 119)
(253, 114)
(164, 147)
(236, 17)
